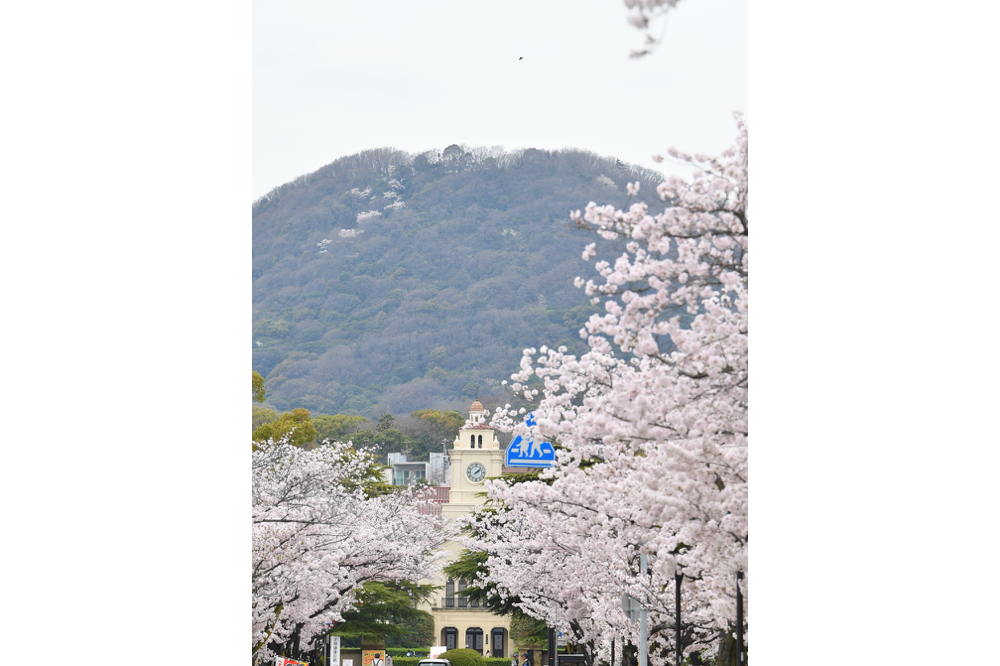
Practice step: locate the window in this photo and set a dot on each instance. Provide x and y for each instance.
(462, 601)
(449, 594)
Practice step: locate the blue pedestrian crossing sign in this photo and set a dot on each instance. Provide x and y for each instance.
(528, 453)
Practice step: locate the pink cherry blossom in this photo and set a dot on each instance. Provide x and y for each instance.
(650, 424)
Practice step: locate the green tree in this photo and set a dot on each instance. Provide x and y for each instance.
(294, 424)
(337, 427)
(385, 422)
(449, 422)
(526, 630)
(427, 428)
(466, 567)
(262, 415)
(386, 613)
(381, 442)
(258, 387)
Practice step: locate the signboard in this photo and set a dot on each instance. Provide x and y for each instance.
(528, 453)
(631, 606)
(372, 658)
(437, 650)
(335, 650)
(282, 661)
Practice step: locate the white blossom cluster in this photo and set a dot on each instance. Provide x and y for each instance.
(350, 233)
(368, 215)
(607, 182)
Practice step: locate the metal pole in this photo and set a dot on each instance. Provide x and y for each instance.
(739, 617)
(612, 652)
(677, 605)
(642, 613)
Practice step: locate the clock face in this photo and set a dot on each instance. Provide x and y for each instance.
(476, 472)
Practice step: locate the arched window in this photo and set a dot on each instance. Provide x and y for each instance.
(472, 441)
(449, 594)
(480, 441)
(462, 601)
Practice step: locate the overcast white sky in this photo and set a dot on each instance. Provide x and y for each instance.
(334, 78)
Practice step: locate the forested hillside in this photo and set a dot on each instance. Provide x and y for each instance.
(393, 282)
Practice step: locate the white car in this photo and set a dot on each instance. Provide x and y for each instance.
(433, 662)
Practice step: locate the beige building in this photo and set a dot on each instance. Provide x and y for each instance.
(475, 456)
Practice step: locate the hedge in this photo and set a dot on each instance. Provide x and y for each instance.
(412, 661)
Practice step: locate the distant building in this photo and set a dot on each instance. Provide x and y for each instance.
(475, 456)
(402, 472)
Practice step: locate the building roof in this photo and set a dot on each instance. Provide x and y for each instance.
(476, 407)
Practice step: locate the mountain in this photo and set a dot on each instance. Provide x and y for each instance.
(390, 282)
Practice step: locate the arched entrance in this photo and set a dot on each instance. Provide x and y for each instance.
(497, 641)
(449, 638)
(474, 639)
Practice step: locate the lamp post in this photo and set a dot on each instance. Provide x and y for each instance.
(739, 618)
(642, 614)
(677, 606)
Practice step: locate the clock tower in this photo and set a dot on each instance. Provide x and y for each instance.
(475, 456)
(459, 622)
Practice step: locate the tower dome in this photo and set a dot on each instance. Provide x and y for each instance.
(476, 407)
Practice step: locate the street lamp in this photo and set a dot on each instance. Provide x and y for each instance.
(739, 617)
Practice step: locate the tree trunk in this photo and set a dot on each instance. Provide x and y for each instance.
(727, 650)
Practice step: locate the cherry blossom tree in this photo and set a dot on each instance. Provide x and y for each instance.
(320, 531)
(650, 427)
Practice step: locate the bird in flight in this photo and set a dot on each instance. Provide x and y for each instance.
(521, 58)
